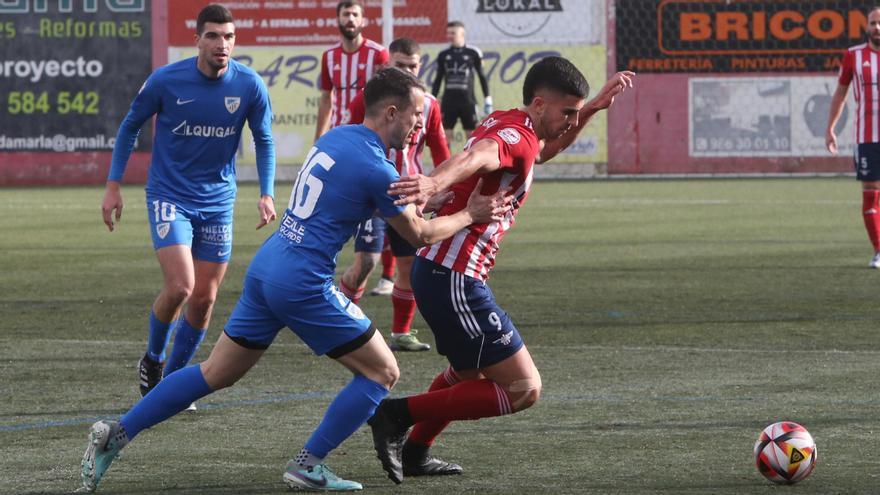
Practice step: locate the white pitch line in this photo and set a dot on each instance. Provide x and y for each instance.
(707, 350)
(588, 347)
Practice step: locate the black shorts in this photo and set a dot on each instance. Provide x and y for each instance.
(399, 246)
(455, 107)
(867, 162)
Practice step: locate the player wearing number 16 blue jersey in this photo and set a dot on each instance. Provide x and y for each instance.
(344, 179)
(201, 105)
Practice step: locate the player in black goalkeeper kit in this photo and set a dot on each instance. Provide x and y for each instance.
(458, 64)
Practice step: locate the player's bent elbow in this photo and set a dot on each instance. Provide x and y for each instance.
(426, 240)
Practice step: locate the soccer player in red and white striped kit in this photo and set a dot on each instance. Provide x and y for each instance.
(406, 55)
(862, 64)
(346, 67)
(490, 373)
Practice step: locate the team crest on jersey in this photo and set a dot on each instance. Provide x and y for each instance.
(232, 103)
(510, 136)
(162, 229)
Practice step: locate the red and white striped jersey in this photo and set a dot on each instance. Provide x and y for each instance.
(861, 63)
(410, 162)
(344, 74)
(472, 250)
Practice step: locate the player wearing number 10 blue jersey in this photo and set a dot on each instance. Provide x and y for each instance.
(344, 179)
(201, 105)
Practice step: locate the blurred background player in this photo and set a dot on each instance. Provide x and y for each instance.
(457, 65)
(289, 283)
(201, 105)
(346, 67)
(406, 55)
(860, 63)
(491, 372)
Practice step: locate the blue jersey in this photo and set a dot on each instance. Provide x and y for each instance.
(342, 182)
(198, 130)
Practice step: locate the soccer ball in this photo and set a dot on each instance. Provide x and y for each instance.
(785, 453)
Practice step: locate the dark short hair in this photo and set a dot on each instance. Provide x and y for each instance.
(405, 46)
(215, 13)
(390, 83)
(455, 24)
(349, 3)
(556, 74)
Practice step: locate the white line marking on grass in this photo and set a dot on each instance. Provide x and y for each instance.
(588, 347)
(717, 350)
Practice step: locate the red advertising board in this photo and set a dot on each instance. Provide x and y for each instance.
(310, 22)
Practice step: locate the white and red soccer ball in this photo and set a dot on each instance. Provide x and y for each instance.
(785, 453)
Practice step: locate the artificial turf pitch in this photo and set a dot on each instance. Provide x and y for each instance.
(671, 321)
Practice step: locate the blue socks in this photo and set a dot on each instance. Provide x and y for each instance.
(173, 394)
(157, 342)
(186, 343)
(351, 408)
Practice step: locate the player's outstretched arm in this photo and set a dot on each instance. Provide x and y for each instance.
(834, 112)
(111, 204)
(604, 99)
(481, 157)
(480, 209)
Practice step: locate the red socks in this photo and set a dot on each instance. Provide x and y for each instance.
(472, 399)
(426, 432)
(353, 294)
(388, 263)
(404, 303)
(871, 212)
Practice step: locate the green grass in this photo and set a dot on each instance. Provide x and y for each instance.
(671, 322)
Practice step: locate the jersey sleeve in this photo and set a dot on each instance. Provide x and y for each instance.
(147, 103)
(435, 137)
(382, 59)
(517, 148)
(357, 109)
(846, 68)
(441, 73)
(260, 122)
(377, 185)
(478, 68)
(325, 83)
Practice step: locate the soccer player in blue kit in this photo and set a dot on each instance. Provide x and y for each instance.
(201, 105)
(344, 179)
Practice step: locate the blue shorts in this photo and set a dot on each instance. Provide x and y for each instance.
(867, 162)
(468, 326)
(327, 321)
(208, 233)
(370, 235)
